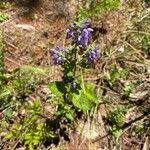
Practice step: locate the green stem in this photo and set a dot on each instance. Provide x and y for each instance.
(75, 59)
(82, 80)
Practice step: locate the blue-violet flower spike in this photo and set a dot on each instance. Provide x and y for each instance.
(58, 55)
(86, 23)
(68, 34)
(91, 55)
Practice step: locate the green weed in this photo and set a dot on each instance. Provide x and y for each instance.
(30, 130)
(26, 78)
(116, 119)
(98, 7)
(3, 16)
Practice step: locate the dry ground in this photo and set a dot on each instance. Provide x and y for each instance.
(28, 38)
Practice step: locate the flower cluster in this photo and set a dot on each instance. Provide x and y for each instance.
(80, 34)
(58, 55)
(78, 54)
(69, 31)
(91, 55)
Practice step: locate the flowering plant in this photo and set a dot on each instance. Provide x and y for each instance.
(81, 54)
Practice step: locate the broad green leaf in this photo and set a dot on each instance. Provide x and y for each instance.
(81, 101)
(89, 91)
(57, 88)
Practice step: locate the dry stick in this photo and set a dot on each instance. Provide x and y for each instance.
(89, 141)
(136, 50)
(14, 147)
(14, 47)
(81, 133)
(11, 45)
(13, 61)
(145, 145)
(130, 123)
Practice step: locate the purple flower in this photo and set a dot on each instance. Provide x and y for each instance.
(80, 34)
(86, 23)
(90, 30)
(84, 34)
(91, 55)
(58, 54)
(69, 34)
(69, 31)
(83, 37)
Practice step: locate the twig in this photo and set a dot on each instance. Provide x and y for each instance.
(136, 50)
(14, 147)
(13, 61)
(11, 45)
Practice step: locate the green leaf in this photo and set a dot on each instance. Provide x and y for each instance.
(36, 140)
(115, 74)
(85, 98)
(5, 93)
(98, 7)
(3, 16)
(69, 116)
(34, 108)
(27, 136)
(57, 88)
(36, 104)
(8, 113)
(15, 127)
(8, 135)
(81, 101)
(31, 147)
(89, 91)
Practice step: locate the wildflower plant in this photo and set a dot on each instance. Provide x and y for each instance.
(75, 94)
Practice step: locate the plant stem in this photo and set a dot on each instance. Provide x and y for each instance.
(82, 79)
(75, 59)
